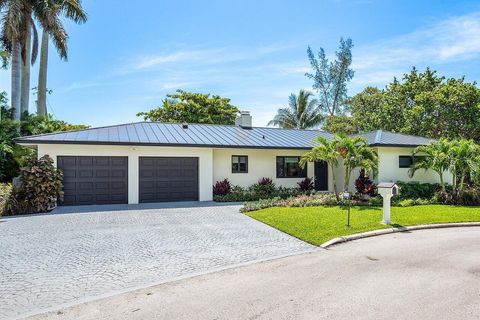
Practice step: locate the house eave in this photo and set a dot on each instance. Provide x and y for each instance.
(148, 144)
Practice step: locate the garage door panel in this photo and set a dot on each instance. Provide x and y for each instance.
(85, 161)
(82, 173)
(94, 180)
(168, 179)
(118, 173)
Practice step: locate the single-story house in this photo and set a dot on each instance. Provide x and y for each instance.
(154, 162)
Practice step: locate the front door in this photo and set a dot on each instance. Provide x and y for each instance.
(321, 176)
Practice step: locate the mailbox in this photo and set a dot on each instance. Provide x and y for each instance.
(387, 190)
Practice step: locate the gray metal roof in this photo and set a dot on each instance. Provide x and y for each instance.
(209, 135)
(393, 139)
(173, 134)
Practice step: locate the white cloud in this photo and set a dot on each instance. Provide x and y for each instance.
(451, 40)
(205, 56)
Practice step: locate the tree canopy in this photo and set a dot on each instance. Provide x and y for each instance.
(422, 103)
(302, 112)
(330, 77)
(184, 106)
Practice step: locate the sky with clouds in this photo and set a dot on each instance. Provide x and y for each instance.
(128, 56)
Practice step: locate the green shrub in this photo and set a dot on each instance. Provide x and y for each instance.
(260, 204)
(466, 197)
(264, 188)
(317, 199)
(416, 190)
(406, 203)
(376, 201)
(40, 190)
(5, 198)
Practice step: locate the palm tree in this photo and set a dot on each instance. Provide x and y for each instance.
(435, 156)
(464, 160)
(355, 153)
(71, 9)
(302, 112)
(17, 24)
(327, 151)
(13, 38)
(29, 56)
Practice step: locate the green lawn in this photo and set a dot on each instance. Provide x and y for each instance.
(319, 224)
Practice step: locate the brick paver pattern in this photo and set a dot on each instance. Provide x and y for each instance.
(50, 260)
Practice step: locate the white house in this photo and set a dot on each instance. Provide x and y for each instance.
(155, 162)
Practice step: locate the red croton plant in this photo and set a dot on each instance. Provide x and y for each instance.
(364, 185)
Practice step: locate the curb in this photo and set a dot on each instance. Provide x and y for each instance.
(380, 232)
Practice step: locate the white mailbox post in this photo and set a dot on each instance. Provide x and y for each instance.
(387, 190)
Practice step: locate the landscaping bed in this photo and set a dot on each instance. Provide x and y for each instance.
(317, 225)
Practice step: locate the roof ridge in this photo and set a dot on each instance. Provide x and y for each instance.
(378, 136)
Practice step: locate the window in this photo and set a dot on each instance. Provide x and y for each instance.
(288, 167)
(239, 164)
(405, 161)
(408, 161)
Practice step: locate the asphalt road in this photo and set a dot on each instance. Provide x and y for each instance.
(430, 274)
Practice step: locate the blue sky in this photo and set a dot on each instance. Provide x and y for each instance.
(129, 55)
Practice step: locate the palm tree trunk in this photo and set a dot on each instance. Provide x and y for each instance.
(25, 91)
(347, 180)
(42, 77)
(16, 79)
(334, 179)
(462, 181)
(442, 184)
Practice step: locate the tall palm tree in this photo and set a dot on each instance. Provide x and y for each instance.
(13, 38)
(464, 160)
(29, 56)
(302, 112)
(17, 24)
(355, 153)
(72, 9)
(327, 151)
(435, 156)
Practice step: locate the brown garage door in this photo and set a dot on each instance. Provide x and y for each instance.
(94, 180)
(168, 179)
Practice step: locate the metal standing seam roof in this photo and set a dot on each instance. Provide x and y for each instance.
(393, 139)
(209, 135)
(174, 134)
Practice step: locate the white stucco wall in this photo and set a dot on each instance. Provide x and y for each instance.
(205, 161)
(215, 165)
(261, 163)
(389, 170)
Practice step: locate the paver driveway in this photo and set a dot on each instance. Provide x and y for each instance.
(59, 259)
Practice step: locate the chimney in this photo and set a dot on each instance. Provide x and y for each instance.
(244, 120)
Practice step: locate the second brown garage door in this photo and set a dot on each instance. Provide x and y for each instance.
(164, 179)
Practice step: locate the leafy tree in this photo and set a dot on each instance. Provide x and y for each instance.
(325, 150)
(422, 104)
(190, 107)
(330, 78)
(435, 156)
(12, 155)
(355, 153)
(302, 112)
(339, 124)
